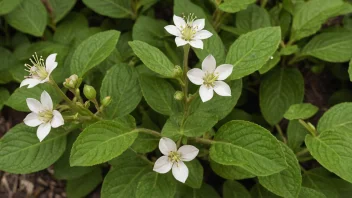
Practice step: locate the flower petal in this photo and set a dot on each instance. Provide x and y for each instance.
(43, 130)
(179, 41)
(196, 44)
(173, 30)
(222, 88)
(34, 105)
(180, 171)
(32, 120)
(206, 93)
(196, 75)
(166, 145)
(57, 120)
(209, 64)
(179, 22)
(198, 24)
(203, 34)
(188, 152)
(31, 82)
(50, 63)
(46, 100)
(223, 71)
(162, 165)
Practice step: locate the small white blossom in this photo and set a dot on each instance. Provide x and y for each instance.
(174, 159)
(39, 72)
(43, 115)
(211, 78)
(188, 32)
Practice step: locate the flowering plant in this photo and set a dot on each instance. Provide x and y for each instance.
(209, 100)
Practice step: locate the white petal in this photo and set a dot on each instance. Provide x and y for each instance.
(43, 130)
(199, 24)
(196, 44)
(223, 71)
(173, 30)
(166, 145)
(162, 165)
(179, 22)
(196, 75)
(50, 63)
(180, 42)
(34, 105)
(32, 120)
(203, 34)
(206, 93)
(57, 120)
(222, 88)
(46, 100)
(209, 64)
(180, 171)
(31, 82)
(188, 152)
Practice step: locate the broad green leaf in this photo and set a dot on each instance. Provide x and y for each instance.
(301, 111)
(236, 114)
(159, 95)
(123, 48)
(7, 6)
(60, 8)
(330, 46)
(22, 153)
(29, 17)
(295, 135)
(234, 189)
(145, 143)
(156, 185)
(286, 183)
(121, 84)
(350, 70)
(344, 188)
(252, 50)
(149, 30)
(259, 191)
(254, 17)
(153, 58)
(82, 186)
(7, 59)
(195, 177)
(337, 118)
(272, 62)
(288, 50)
(172, 128)
(311, 193)
(111, 8)
(4, 95)
(333, 151)
(248, 146)
(206, 191)
(230, 172)
(102, 141)
(233, 6)
(280, 89)
(93, 51)
(320, 183)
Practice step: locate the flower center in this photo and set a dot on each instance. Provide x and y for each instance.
(37, 70)
(174, 156)
(46, 116)
(189, 31)
(209, 79)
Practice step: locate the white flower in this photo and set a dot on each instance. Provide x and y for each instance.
(43, 115)
(174, 158)
(211, 78)
(39, 72)
(188, 32)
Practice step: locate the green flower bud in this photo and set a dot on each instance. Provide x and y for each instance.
(178, 72)
(178, 95)
(72, 82)
(106, 101)
(89, 92)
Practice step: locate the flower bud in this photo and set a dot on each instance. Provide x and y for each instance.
(87, 104)
(106, 101)
(177, 71)
(89, 92)
(178, 95)
(73, 82)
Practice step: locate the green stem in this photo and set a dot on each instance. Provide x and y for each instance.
(202, 140)
(302, 152)
(263, 3)
(278, 128)
(309, 128)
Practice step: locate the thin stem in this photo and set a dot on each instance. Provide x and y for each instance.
(202, 140)
(309, 128)
(278, 128)
(302, 152)
(282, 43)
(185, 70)
(263, 3)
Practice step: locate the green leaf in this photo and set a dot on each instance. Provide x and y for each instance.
(350, 70)
(286, 183)
(8, 60)
(233, 6)
(253, 18)
(252, 50)
(102, 141)
(82, 186)
(121, 84)
(145, 143)
(206, 191)
(22, 153)
(330, 46)
(29, 17)
(320, 184)
(337, 118)
(60, 8)
(172, 128)
(198, 123)
(195, 177)
(230, 172)
(295, 135)
(93, 51)
(301, 111)
(153, 58)
(156, 185)
(111, 8)
(248, 146)
(159, 95)
(308, 192)
(4, 95)
(149, 30)
(259, 191)
(7, 6)
(234, 189)
(280, 89)
(343, 187)
(288, 50)
(272, 62)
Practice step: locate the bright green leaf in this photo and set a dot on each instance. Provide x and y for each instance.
(233, 6)
(311, 193)
(230, 172)
(337, 118)
(301, 111)
(111, 8)
(7, 6)
(295, 135)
